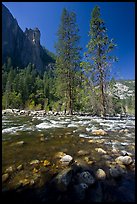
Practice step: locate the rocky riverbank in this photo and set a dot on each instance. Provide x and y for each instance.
(47, 113)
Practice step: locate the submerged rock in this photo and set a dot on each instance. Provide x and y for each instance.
(100, 150)
(66, 160)
(63, 179)
(36, 161)
(20, 143)
(46, 163)
(86, 177)
(20, 167)
(100, 174)
(126, 160)
(116, 171)
(83, 152)
(10, 169)
(59, 155)
(5, 177)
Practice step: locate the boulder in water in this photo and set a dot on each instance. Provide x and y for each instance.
(100, 174)
(63, 179)
(66, 160)
(86, 177)
(126, 160)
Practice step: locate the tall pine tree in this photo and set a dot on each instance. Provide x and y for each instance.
(68, 60)
(98, 57)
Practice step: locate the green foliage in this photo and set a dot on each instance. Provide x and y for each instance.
(97, 58)
(68, 60)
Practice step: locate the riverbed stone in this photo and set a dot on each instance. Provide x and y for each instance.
(115, 172)
(126, 160)
(10, 169)
(46, 163)
(24, 182)
(59, 155)
(5, 177)
(63, 179)
(123, 131)
(66, 160)
(100, 174)
(99, 132)
(83, 152)
(100, 150)
(36, 161)
(20, 143)
(86, 177)
(20, 167)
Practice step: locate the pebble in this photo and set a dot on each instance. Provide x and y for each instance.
(46, 163)
(20, 167)
(35, 162)
(83, 152)
(59, 155)
(10, 169)
(100, 150)
(5, 177)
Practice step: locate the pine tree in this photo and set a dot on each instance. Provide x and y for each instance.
(98, 58)
(68, 59)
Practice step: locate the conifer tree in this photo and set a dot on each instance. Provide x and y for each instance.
(68, 59)
(98, 57)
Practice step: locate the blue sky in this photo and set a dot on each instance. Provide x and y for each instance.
(119, 19)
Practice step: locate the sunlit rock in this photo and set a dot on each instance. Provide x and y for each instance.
(100, 174)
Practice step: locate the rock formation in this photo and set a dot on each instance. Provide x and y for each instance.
(22, 47)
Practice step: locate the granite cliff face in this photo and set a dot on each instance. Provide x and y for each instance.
(22, 47)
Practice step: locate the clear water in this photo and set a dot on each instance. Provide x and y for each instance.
(61, 134)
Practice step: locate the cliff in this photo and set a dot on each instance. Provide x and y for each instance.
(22, 47)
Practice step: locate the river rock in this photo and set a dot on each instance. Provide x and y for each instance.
(115, 172)
(20, 143)
(63, 179)
(83, 152)
(125, 153)
(46, 163)
(42, 139)
(5, 177)
(100, 150)
(99, 132)
(10, 169)
(86, 177)
(66, 160)
(20, 167)
(80, 191)
(124, 131)
(24, 182)
(126, 160)
(36, 161)
(59, 155)
(100, 174)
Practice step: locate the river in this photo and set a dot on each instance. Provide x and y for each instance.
(43, 137)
